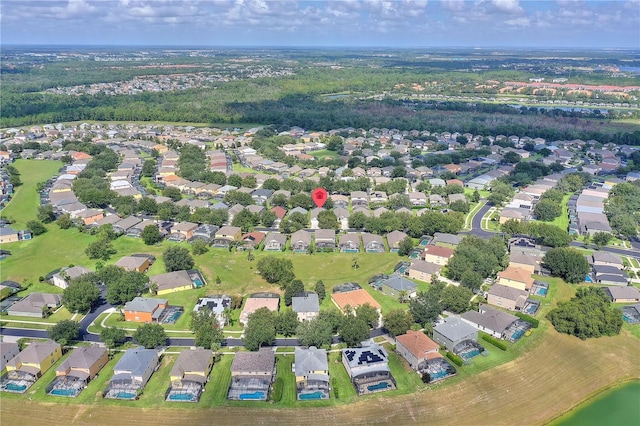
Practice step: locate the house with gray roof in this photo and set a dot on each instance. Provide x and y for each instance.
(307, 306)
(619, 294)
(251, 375)
(216, 304)
(490, 320)
(396, 284)
(63, 278)
(30, 364)
(123, 225)
(349, 243)
(394, 238)
(372, 243)
(189, 375)
(275, 241)
(311, 368)
(446, 240)
(454, 331)
(144, 309)
(83, 365)
(368, 368)
(507, 297)
(325, 239)
(35, 305)
(131, 373)
(8, 351)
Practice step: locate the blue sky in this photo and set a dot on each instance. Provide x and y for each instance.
(392, 23)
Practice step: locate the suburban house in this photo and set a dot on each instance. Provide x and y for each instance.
(35, 360)
(227, 235)
(306, 306)
(204, 232)
(189, 375)
(515, 277)
(454, 331)
(372, 243)
(300, 241)
(171, 282)
(417, 348)
(368, 368)
(142, 309)
(275, 241)
(63, 278)
(437, 254)
(186, 229)
(123, 225)
(325, 239)
(446, 240)
(311, 368)
(132, 372)
(349, 243)
(256, 301)
(8, 235)
(216, 304)
(353, 299)
(509, 298)
(8, 351)
(251, 240)
(603, 258)
(490, 320)
(134, 263)
(252, 374)
(395, 285)
(77, 370)
(35, 305)
(394, 238)
(89, 216)
(629, 294)
(422, 270)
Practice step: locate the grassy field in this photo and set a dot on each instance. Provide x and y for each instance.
(323, 153)
(23, 207)
(562, 221)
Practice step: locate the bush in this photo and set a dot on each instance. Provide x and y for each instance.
(426, 378)
(455, 359)
(334, 386)
(278, 387)
(531, 320)
(495, 342)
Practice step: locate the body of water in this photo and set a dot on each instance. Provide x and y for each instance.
(618, 406)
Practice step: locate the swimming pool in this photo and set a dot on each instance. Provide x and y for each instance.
(588, 279)
(125, 395)
(517, 334)
(171, 319)
(198, 282)
(182, 397)
(253, 395)
(470, 354)
(382, 385)
(15, 388)
(64, 392)
(439, 375)
(314, 395)
(542, 291)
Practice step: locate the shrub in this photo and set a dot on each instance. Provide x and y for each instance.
(455, 359)
(495, 342)
(334, 386)
(426, 378)
(278, 387)
(531, 320)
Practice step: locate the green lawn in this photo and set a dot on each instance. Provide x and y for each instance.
(324, 153)
(340, 378)
(562, 221)
(24, 204)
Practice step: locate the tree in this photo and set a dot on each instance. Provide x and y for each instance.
(547, 210)
(316, 332)
(354, 330)
(587, 315)
(234, 180)
(249, 182)
(260, 329)
(267, 218)
(512, 157)
(122, 286)
(276, 270)
(460, 206)
(46, 213)
(150, 336)
(320, 290)
(456, 298)
(271, 183)
(405, 247)
(601, 239)
(81, 295)
(286, 323)
(209, 337)
(302, 200)
(65, 221)
(332, 318)
(151, 235)
(177, 259)
(64, 332)
(245, 220)
(149, 168)
(173, 193)
(148, 205)
(369, 314)
(113, 336)
(475, 197)
(100, 249)
(199, 247)
(293, 288)
(327, 219)
(398, 321)
(566, 263)
(426, 307)
(36, 227)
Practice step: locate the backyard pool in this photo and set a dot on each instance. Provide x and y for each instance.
(64, 392)
(15, 388)
(198, 282)
(182, 397)
(125, 395)
(382, 385)
(542, 291)
(171, 319)
(588, 279)
(253, 395)
(517, 334)
(470, 354)
(314, 395)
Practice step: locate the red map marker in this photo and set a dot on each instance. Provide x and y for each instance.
(319, 196)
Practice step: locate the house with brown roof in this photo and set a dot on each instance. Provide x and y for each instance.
(619, 294)
(31, 363)
(422, 270)
(251, 375)
(437, 254)
(516, 277)
(417, 348)
(84, 363)
(300, 241)
(184, 228)
(509, 298)
(254, 302)
(189, 375)
(349, 243)
(350, 300)
(372, 243)
(134, 263)
(227, 235)
(251, 240)
(35, 305)
(325, 239)
(275, 241)
(394, 238)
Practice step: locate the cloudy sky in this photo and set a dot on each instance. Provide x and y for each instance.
(392, 23)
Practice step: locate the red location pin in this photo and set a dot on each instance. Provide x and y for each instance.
(319, 196)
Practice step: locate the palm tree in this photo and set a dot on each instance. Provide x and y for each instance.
(355, 262)
(402, 296)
